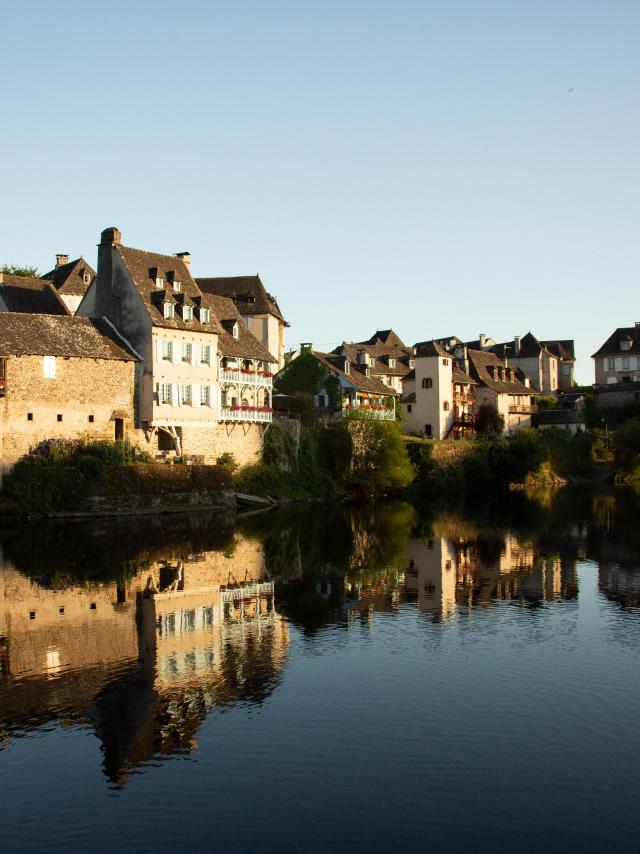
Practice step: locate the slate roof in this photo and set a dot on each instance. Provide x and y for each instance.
(611, 346)
(248, 293)
(480, 361)
(548, 417)
(409, 398)
(358, 379)
(246, 345)
(141, 264)
(69, 278)
(386, 337)
(57, 335)
(427, 349)
(380, 353)
(564, 350)
(460, 376)
(28, 295)
(530, 347)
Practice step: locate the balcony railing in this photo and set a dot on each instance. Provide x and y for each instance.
(382, 412)
(522, 409)
(246, 377)
(247, 413)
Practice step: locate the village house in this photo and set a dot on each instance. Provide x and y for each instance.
(439, 399)
(62, 377)
(618, 360)
(29, 295)
(71, 279)
(548, 364)
(388, 359)
(505, 388)
(258, 309)
(205, 383)
(354, 388)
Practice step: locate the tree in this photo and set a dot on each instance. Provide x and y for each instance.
(489, 422)
(16, 270)
(379, 459)
(547, 402)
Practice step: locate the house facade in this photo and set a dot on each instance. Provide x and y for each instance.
(439, 397)
(504, 387)
(548, 364)
(618, 359)
(71, 279)
(353, 388)
(388, 359)
(258, 309)
(181, 402)
(62, 377)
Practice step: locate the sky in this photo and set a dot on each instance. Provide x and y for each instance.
(442, 168)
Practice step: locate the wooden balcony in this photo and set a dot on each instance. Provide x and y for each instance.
(522, 409)
(247, 414)
(246, 378)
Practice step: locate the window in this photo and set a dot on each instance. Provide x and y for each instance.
(409, 408)
(367, 372)
(427, 382)
(566, 370)
(322, 401)
(61, 611)
(168, 310)
(59, 416)
(205, 395)
(167, 351)
(49, 367)
(187, 353)
(86, 278)
(187, 312)
(445, 362)
(392, 363)
(625, 345)
(625, 363)
(205, 354)
(32, 615)
(372, 362)
(177, 286)
(159, 282)
(445, 405)
(91, 419)
(186, 395)
(93, 606)
(166, 395)
(427, 429)
(347, 368)
(611, 364)
(205, 315)
(412, 363)
(611, 380)
(29, 416)
(236, 330)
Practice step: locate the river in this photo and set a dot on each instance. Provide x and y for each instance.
(325, 678)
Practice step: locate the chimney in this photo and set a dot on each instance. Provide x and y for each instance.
(482, 338)
(61, 260)
(110, 236)
(306, 347)
(186, 258)
(516, 345)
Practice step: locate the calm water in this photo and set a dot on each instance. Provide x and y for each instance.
(349, 679)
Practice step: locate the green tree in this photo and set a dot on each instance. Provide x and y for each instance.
(547, 402)
(17, 270)
(489, 422)
(379, 459)
(626, 447)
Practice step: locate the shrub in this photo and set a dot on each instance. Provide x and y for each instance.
(228, 462)
(626, 447)
(489, 422)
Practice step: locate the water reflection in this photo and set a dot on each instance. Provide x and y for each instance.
(140, 629)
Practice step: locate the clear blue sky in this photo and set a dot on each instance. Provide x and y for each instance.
(421, 165)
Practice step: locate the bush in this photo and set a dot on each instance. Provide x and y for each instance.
(626, 448)
(228, 462)
(489, 422)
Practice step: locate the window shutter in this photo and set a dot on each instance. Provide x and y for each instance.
(195, 394)
(159, 343)
(175, 394)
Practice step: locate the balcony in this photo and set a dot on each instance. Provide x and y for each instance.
(244, 377)
(522, 409)
(247, 414)
(372, 412)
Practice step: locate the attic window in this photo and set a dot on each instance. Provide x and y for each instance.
(187, 312)
(412, 363)
(205, 315)
(177, 286)
(392, 363)
(372, 362)
(625, 345)
(347, 368)
(368, 372)
(159, 282)
(168, 310)
(86, 278)
(236, 330)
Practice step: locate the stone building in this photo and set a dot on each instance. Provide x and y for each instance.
(259, 310)
(505, 388)
(71, 279)
(205, 382)
(28, 295)
(62, 377)
(618, 360)
(388, 359)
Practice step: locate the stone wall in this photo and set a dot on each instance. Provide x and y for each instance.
(244, 441)
(82, 401)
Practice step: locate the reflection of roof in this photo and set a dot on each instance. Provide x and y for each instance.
(52, 335)
(248, 293)
(481, 363)
(28, 295)
(69, 278)
(624, 333)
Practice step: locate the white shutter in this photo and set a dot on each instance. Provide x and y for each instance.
(159, 344)
(175, 394)
(195, 394)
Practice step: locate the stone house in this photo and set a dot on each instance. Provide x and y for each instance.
(388, 359)
(357, 389)
(185, 339)
(259, 310)
(62, 377)
(28, 295)
(71, 279)
(504, 387)
(618, 360)
(548, 364)
(439, 398)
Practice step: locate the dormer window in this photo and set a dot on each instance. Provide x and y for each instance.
(187, 312)
(372, 362)
(205, 315)
(625, 344)
(159, 282)
(392, 363)
(235, 330)
(412, 363)
(177, 286)
(168, 311)
(367, 372)
(86, 278)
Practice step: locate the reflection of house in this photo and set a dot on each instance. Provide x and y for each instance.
(431, 572)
